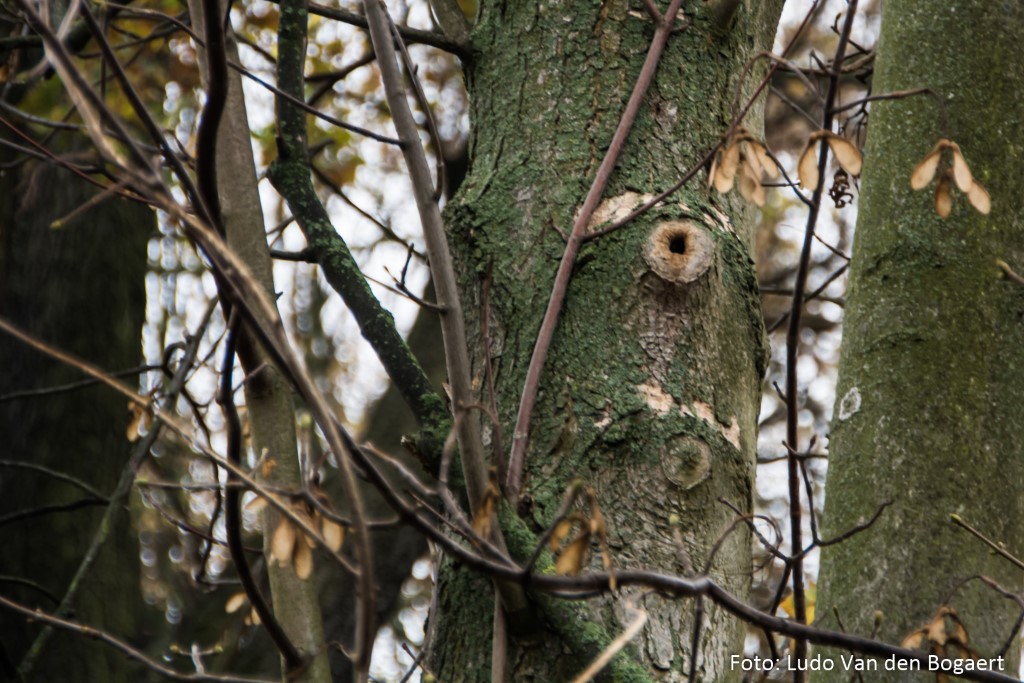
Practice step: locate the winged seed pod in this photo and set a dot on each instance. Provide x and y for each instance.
(943, 197)
(291, 545)
(748, 156)
(846, 153)
(954, 172)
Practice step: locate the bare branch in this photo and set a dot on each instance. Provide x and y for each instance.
(793, 344)
(441, 267)
(129, 651)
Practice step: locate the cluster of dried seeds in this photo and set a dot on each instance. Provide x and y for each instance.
(745, 156)
(953, 172)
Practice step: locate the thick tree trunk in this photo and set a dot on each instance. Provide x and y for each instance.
(651, 389)
(932, 368)
(81, 288)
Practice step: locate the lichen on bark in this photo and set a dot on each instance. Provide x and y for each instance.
(640, 366)
(932, 368)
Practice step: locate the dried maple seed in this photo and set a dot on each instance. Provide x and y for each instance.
(742, 153)
(953, 172)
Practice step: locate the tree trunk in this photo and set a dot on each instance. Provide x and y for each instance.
(268, 398)
(652, 386)
(931, 377)
(80, 288)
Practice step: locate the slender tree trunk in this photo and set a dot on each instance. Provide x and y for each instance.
(268, 397)
(652, 386)
(932, 368)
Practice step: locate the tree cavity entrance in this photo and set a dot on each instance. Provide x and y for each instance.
(679, 251)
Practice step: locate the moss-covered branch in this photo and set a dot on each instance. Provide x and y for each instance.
(290, 175)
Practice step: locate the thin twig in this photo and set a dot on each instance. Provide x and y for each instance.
(91, 107)
(421, 100)
(793, 348)
(996, 547)
(808, 297)
(409, 35)
(857, 528)
(601, 661)
(898, 95)
(74, 481)
(297, 101)
(132, 653)
(733, 125)
(1009, 595)
(43, 510)
(22, 581)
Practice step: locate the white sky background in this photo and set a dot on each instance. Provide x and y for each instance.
(817, 371)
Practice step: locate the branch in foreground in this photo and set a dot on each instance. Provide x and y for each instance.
(555, 585)
(116, 643)
(441, 267)
(674, 586)
(794, 465)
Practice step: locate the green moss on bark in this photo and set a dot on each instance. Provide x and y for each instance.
(932, 369)
(637, 363)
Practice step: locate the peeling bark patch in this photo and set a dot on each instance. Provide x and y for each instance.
(685, 461)
(705, 412)
(656, 398)
(679, 251)
(850, 404)
(616, 208)
(661, 402)
(722, 219)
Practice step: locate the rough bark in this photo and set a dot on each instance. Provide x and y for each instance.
(651, 389)
(80, 287)
(932, 368)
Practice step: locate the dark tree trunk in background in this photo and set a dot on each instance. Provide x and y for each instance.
(81, 288)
